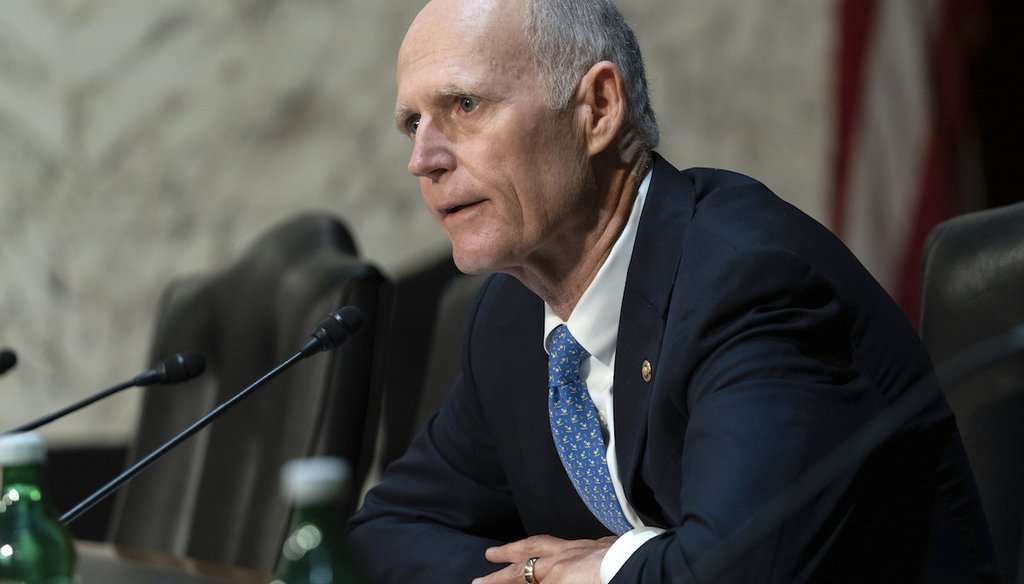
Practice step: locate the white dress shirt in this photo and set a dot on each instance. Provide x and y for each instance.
(594, 323)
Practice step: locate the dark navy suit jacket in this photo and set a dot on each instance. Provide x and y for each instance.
(769, 344)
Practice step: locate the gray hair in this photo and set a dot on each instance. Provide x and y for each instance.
(567, 37)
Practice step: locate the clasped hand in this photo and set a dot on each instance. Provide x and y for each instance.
(560, 561)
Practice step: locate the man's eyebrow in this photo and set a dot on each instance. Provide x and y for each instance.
(403, 111)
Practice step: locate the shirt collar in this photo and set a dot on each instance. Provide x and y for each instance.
(594, 321)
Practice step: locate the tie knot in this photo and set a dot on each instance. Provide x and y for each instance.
(564, 357)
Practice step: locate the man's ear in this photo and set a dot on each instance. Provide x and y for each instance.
(601, 104)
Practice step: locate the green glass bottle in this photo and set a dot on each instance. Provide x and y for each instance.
(34, 547)
(314, 551)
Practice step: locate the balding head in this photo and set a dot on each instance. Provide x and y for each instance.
(563, 39)
(494, 28)
(518, 184)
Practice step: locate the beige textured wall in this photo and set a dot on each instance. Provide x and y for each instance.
(144, 140)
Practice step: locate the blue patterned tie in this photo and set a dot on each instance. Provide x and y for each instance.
(577, 431)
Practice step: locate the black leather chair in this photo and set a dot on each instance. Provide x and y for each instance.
(430, 309)
(413, 319)
(973, 289)
(216, 496)
(446, 345)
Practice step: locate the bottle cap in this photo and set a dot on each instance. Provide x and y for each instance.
(306, 481)
(22, 448)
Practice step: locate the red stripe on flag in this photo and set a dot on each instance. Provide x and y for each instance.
(856, 18)
(943, 185)
(943, 152)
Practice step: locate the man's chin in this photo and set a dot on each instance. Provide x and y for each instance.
(470, 268)
(473, 262)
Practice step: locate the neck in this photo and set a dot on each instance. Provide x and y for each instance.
(562, 280)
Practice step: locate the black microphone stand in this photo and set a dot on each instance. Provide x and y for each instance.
(133, 470)
(180, 367)
(331, 333)
(72, 408)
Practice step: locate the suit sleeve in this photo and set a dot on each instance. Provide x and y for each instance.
(441, 504)
(767, 386)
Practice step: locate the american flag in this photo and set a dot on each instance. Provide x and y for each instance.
(905, 152)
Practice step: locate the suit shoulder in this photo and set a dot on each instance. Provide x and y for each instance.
(709, 181)
(744, 213)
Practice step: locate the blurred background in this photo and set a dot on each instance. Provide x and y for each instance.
(142, 141)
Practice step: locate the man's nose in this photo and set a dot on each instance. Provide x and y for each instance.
(431, 153)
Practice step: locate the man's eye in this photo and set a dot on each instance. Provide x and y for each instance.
(412, 124)
(467, 104)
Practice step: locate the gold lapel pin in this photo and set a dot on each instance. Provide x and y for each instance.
(646, 370)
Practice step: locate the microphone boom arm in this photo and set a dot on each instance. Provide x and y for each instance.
(42, 421)
(331, 333)
(107, 489)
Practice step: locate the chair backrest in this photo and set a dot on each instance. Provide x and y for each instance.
(429, 315)
(413, 318)
(445, 348)
(973, 289)
(216, 496)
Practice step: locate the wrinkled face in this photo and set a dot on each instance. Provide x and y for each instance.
(503, 174)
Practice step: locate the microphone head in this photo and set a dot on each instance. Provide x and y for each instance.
(7, 360)
(333, 331)
(175, 369)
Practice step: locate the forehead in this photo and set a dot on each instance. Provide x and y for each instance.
(463, 43)
(468, 20)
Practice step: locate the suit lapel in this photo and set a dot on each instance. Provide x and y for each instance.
(649, 283)
(522, 392)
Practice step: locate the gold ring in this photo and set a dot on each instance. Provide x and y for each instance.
(528, 570)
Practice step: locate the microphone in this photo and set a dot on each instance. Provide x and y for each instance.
(331, 333)
(180, 367)
(7, 360)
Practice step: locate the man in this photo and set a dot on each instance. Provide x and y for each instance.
(728, 342)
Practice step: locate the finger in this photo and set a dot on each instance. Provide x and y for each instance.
(519, 551)
(511, 574)
(503, 554)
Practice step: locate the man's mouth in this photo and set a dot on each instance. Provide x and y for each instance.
(445, 212)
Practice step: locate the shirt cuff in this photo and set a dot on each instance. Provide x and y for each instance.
(623, 549)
